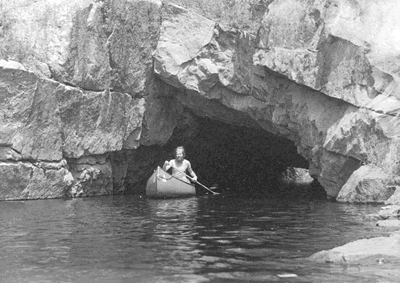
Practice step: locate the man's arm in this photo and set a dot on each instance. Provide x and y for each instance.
(189, 168)
(167, 165)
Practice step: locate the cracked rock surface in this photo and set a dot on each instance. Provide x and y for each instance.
(94, 85)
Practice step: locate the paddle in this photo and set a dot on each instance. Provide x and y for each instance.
(214, 193)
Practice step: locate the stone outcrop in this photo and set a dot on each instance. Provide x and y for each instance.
(389, 215)
(368, 184)
(89, 84)
(366, 251)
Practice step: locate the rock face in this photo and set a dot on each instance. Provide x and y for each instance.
(45, 122)
(25, 180)
(310, 43)
(92, 89)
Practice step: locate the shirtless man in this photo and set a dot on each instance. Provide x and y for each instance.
(181, 164)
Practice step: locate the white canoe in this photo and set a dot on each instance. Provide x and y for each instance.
(163, 185)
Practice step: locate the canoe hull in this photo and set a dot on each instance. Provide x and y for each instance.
(163, 185)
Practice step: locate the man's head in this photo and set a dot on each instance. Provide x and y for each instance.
(180, 153)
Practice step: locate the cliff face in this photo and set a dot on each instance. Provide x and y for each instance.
(99, 86)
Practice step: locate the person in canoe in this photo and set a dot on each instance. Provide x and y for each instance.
(179, 165)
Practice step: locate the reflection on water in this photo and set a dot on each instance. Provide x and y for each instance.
(173, 228)
(199, 239)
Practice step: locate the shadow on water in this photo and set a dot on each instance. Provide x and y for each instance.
(300, 192)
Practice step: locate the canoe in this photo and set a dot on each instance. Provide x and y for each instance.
(163, 185)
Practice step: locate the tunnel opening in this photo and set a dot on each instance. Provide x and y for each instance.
(238, 159)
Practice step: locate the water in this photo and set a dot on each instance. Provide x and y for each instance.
(199, 239)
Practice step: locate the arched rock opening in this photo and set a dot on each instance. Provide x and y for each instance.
(237, 157)
(240, 160)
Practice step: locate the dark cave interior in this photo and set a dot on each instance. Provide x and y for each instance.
(239, 160)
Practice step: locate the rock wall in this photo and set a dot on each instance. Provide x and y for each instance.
(50, 132)
(311, 43)
(86, 85)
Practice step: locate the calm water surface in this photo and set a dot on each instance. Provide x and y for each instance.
(199, 239)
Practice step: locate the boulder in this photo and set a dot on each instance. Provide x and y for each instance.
(388, 223)
(389, 211)
(364, 251)
(367, 184)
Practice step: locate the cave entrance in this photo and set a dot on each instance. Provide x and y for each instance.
(239, 159)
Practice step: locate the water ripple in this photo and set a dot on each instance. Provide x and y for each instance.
(199, 239)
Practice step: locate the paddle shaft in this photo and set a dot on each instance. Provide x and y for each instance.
(214, 193)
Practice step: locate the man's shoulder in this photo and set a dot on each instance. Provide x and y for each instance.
(186, 161)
